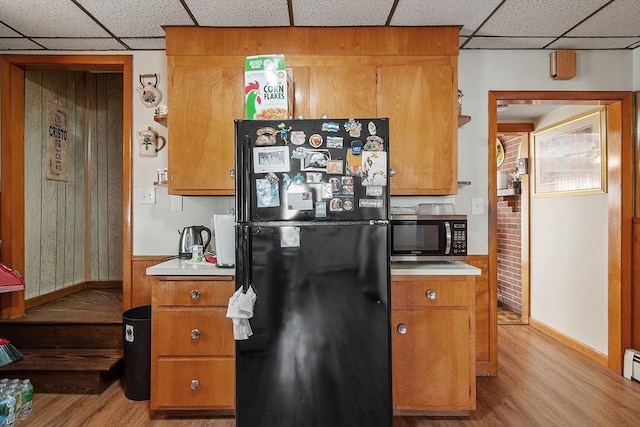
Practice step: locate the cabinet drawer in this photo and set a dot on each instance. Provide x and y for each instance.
(194, 293)
(443, 294)
(193, 332)
(206, 383)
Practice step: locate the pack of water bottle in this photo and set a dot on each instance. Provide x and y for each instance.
(16, 400)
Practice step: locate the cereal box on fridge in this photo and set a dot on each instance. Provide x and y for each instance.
(268, 88)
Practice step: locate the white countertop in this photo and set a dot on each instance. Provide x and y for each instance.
(434, 268)
(182, 267)
(178, 267)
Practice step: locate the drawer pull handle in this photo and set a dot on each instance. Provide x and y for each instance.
(195, 334)
(195, 384)
(431, 294)
(402, 329)
(195, 294)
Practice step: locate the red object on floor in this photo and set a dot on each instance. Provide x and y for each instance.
(10, 280)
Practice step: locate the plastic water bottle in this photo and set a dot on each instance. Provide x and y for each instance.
(27, 398)
(7, 410)
(16, 392)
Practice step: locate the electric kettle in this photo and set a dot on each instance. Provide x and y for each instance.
(190, 236)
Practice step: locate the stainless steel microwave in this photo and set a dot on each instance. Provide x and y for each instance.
(428, 237)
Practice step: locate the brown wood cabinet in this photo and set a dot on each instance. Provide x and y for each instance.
(433, 344)
(406, 74)
(192, 345)
(205, 98)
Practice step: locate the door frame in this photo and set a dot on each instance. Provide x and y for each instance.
(12, 74)
(620, 210)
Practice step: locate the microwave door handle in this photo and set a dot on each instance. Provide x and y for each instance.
(447, 228)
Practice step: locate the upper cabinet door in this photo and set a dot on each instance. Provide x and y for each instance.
(204, 101)
(342, 91)
(420, 102)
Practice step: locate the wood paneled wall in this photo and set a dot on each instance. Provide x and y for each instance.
(63, 224)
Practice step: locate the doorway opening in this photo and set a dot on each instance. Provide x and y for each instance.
(13, 205)
(620, 173)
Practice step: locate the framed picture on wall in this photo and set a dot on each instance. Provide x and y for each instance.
(570, 157)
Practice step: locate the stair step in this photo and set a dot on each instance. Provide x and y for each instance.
(71, 371)
(53, 335)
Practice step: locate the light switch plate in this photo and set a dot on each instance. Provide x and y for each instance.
(147, 195)
(477, 206)
(176, 203)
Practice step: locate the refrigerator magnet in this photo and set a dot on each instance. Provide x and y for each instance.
(321, 209)
(300, 201)
(289, 237)
(268, 195)
(335, 167)
(353, 127)
(347, 204)
(271, 159)
(336, 185)
(284, 133)
(314, 177)
(371, 203)
(374, 168)
(298, 137)
(372, 128)
(330, 127)
(335, 205)
(335, 142)
(299, 153)
(373, 190)
(354, 164)
(327, 190)
(272, 178)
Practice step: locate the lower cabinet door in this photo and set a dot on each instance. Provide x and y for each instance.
(207, 383)
(431, 360)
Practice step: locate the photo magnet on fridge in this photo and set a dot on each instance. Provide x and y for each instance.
(268, 194)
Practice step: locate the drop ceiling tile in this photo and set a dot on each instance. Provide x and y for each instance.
(508, 42)
(444, 12)
(351, 13)
(137, 18)
(18, 44)
(49, 18)
(624, 13)
(7, 32)
(147, 43)
(541, 18)
(235, 13)
(594, 43)
(81, 44)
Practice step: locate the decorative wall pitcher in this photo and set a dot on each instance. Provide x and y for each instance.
(150, 142)
(150, 95)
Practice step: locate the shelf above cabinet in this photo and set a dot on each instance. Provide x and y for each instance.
(463, 120)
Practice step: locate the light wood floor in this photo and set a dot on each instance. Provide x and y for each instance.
(541, 383)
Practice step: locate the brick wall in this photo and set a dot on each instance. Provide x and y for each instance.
(509, 232)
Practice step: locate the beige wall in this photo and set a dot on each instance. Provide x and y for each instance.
(64, 221)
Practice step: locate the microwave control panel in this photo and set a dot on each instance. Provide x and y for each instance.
(459, 238)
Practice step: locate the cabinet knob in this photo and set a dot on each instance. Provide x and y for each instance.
(195, 294)
(402, 329)
(195, 384)
(392, 172)
(195, 334)
(232, 173)
(431, 294)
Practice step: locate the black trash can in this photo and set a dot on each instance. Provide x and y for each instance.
(136, 329)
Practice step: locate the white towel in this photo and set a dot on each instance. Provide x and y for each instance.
(240, 310)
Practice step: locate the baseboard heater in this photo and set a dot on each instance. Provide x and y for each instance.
(632, 364)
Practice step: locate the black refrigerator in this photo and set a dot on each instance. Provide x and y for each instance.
(312, 239)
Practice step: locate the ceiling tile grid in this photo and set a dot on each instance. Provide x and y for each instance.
(469, 14)
(240, 13)
(484, 24)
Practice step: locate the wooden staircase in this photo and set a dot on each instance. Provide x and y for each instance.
(71, 345)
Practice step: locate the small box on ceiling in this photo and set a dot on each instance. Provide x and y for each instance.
(563, 64)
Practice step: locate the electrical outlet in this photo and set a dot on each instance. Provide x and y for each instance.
(176, 203)
(477, 206)
(147, 195)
